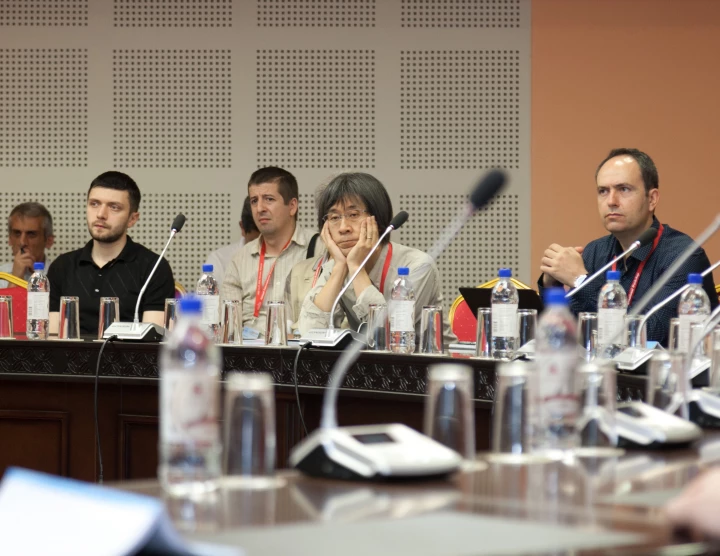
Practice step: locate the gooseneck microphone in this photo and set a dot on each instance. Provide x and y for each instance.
(146, 331)
(645, 238)
(399, 219)
(359, 452)
(487, 188)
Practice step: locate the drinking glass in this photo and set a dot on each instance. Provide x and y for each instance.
(484, 332)
(276, 325)
(378, 327)
(69, 318)
(231, 327)
(431, 330)
(6, 317)
(109, 313)
(587, 335)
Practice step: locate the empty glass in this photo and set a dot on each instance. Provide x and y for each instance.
(109, 313)
(587, 332)
(674, 345)
(449, 409)
(276, 325)
(635, 333)
(170, 315)
(667, 384)
(249, 422)
(378, 327)
(231, 327)
(715, 361)
(527, 322)
(6, 317)
(69, 318)
(431, 330)
(510, 412)
(484, 332)
(596, 388)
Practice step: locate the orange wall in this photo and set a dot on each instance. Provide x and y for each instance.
(624, 73)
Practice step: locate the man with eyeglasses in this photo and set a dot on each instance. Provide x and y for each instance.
(257, 273)
(352, 210)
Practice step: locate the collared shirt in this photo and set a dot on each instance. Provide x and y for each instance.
(423, 275)
(76, 274)
(672, 243)
(7, 267)
(220, 259)
(241, 276)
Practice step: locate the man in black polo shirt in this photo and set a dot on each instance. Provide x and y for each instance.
(111, 264)
(627, 195)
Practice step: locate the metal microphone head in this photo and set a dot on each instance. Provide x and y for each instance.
(489, 186)
(178, 223)
(647, 237)
(398, 220)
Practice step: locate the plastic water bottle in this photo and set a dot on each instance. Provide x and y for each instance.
(555, 405)
(401, 313)
(38, 304)
(190, 446)
(504, 303)
(612, 308)
(209, 292)
(694, 306)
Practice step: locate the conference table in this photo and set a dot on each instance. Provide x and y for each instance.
(47, 393)
(580, 506)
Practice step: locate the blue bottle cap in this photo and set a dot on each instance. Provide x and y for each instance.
(612, 275)
(38, 266)
(207, 268)
(554, 296)
(695, 279)
(190, 305)
(505, 273)
(403, 271)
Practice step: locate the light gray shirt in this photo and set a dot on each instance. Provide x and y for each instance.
(423, 275)
(221, 258)
(242, 274)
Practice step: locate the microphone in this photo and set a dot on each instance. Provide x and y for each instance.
(333, 451)
(645, 238)
(330, 337)
(145, 331)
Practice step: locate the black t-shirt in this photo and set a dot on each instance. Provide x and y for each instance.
(76, 274)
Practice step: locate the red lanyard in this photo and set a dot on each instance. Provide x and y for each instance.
(636, 279)
(386, 267)
(261, 289)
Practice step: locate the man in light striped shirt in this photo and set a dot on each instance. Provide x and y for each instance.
(258, 272)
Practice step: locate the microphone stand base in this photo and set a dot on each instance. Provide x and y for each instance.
(335, 338)
(632, 358)
(135, 332)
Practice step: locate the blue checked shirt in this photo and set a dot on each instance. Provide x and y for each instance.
(672, 243)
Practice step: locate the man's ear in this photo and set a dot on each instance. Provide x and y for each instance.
(653, 198)
(49, 242)
(134, 217)
(293, 206)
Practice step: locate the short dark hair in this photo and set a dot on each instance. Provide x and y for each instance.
(287, 184)
(246, 218)
(361, 186)
(33, 210)
(119, 182)
(648, 171)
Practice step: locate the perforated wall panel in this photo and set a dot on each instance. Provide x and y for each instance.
(316, 13)
(174, 13)
(44, 100)
(489, 241)
(316, 108)
(42, 13)
(171, 108)
(189, 97)
(205, 230)
(461, 13)
(459, 109)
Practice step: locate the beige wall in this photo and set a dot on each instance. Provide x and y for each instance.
(630, 73)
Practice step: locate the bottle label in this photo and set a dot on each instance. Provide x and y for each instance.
(684, 336)
(401, 314)
(38, 305)
(611, 324)
(504, 320)
(210, 309)
(189, 406)
(557, 400)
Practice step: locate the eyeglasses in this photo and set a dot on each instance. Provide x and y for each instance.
(353, 216)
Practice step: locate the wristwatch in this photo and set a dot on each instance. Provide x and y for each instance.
(579, 280)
